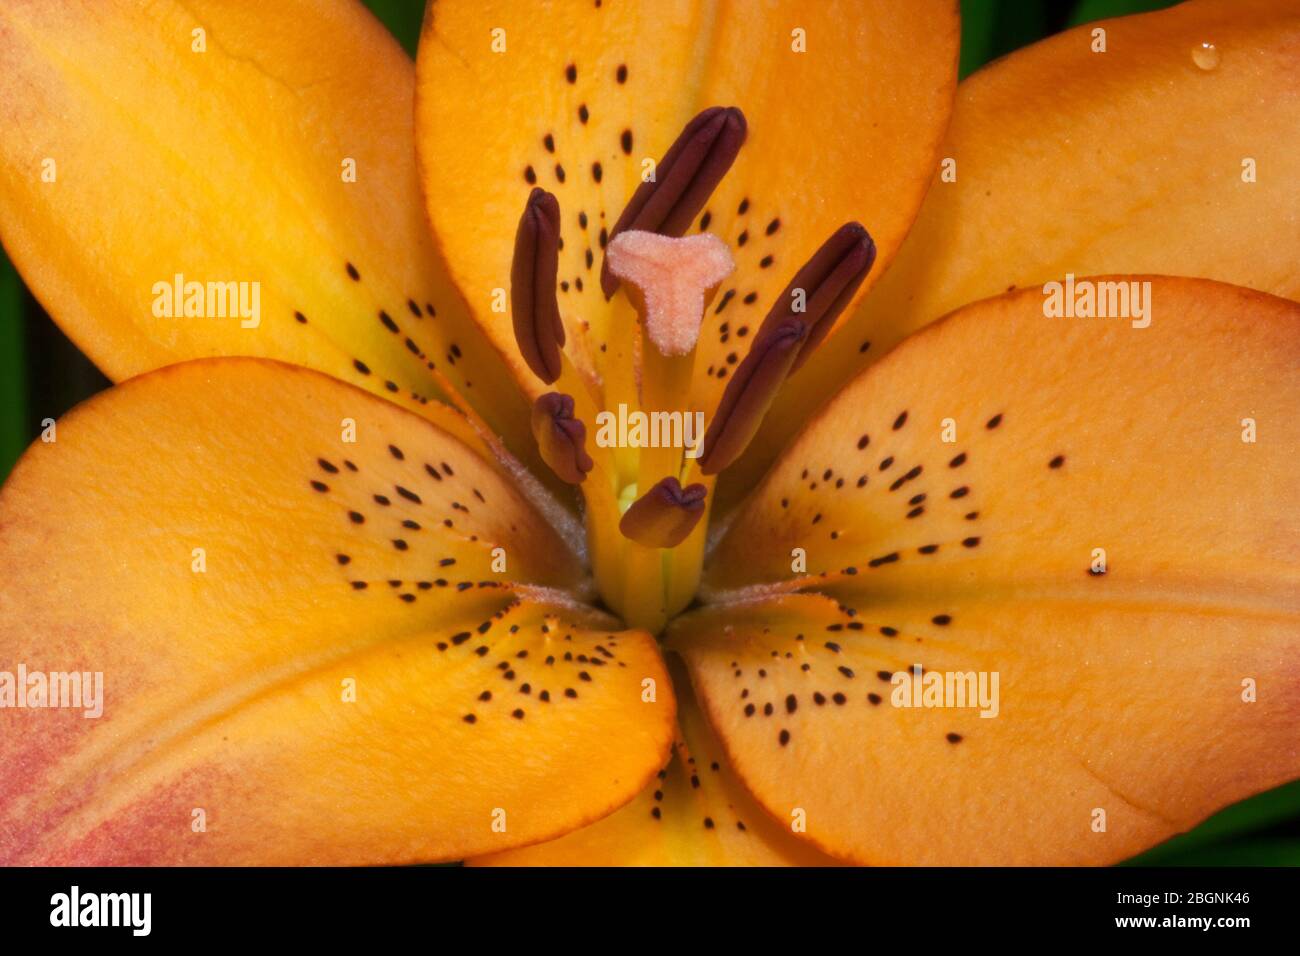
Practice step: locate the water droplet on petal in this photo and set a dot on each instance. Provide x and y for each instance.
(1206, 56)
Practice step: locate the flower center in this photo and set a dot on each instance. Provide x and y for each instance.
(672, 277)
(647, 479)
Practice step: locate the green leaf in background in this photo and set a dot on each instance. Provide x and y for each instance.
(977, 36)
(403, 19)
(1232, 827)
(1270, 851)
(991, 28)
(1088, 10)
(13, 377)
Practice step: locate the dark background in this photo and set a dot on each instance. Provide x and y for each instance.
(42, 375)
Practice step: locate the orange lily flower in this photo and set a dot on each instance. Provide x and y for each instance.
(323, 544)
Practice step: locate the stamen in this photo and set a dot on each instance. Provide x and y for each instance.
(684, 180)
(665, 515)
(539, 332)
(824, 286)
(798, 322)
(672, 276)
(561, 438)
(749, 394)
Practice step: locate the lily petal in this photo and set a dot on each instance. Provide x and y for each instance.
(299, 636)
(1113, 532)
(265, 146)
(1072, 161)
(580, 98)
(694, 813)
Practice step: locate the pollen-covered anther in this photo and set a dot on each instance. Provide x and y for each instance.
(539, 333)
(750, 392)
(561, 438)
(683, 180)
(665, 515)
(673, 276)
(823, 287)
(796, 324)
